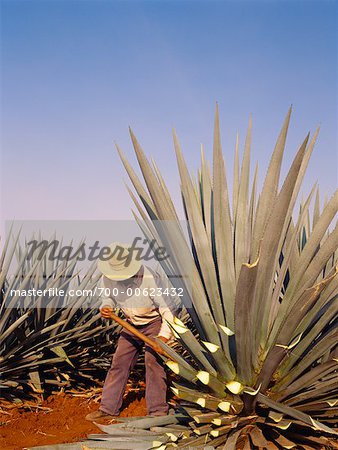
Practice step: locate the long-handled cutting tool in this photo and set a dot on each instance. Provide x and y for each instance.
(153, 344)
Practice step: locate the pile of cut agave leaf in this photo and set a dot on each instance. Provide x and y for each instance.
(186, 429)
(191, 429)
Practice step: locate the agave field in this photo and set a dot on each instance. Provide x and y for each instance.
(48, 343)
(255, 361)
(262, 369)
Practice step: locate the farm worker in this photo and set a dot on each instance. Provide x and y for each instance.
(136, 290)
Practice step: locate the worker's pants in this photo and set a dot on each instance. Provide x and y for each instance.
(124, 359)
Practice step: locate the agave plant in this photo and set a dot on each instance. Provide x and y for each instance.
(262, 295)
(49, 342)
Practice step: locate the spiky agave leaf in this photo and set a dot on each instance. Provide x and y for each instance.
(263, 296)
(49, 342)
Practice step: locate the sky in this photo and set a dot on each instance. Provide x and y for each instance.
(76, 74)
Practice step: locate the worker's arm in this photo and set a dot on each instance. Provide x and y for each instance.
(165, 330)
(108, 303)
(166, 307)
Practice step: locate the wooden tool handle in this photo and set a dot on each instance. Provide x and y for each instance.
(153, 344)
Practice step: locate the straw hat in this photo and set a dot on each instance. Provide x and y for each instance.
(120, 266)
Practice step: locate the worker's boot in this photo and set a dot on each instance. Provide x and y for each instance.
(97, 415)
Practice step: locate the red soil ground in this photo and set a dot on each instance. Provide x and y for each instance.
(21, 428)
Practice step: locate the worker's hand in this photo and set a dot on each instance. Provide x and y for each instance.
(163, 339)
(106, 312)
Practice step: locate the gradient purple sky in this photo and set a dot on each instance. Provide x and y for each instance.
(75, 74)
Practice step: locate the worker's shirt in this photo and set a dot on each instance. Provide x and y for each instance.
(141, 302)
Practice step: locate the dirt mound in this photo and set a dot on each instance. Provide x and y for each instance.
(64, 422)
